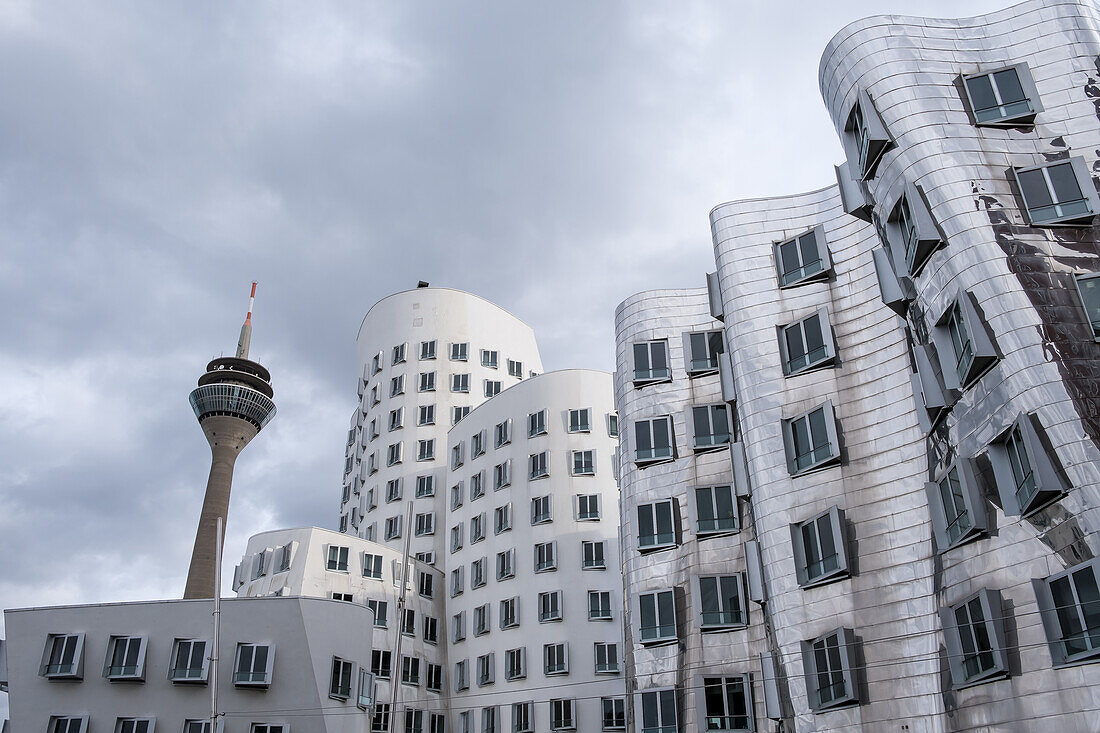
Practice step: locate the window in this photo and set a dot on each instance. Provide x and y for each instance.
(726, 703)
(457, 455)
(957, 507)
(502, 519)
(588, 507)
(962, 343)
(865, 137)
(711, 427)
(370, 502)
(374, 398)
(365, 696)
(592, 555)
(459, 351)
(69, 725)
(428, 558)
(489, 358)
(492, 388)
(1026, 472)
(807, 344)
(189, 662)
(1069, 603)
(379, 608)
(457, 413)
(716, 510)
(820, 548)
(613, 425)
(599, 605)
(410, 671)
(555, 659)
(456, 538)
(550, 606)
(462, 675)
(427, 350)
(458, 626)
(341, 597)
(380, 663)
(456, 582)
(538, 465)
(259, 564)
(653, 440)
(393, 454)
(721, 602)
(506, 564)
(397, 385)
(372, 463)
(542, 509)
(562, 715)
(425, 524)
(1002, 98)
(502, 475)
(811, 440)
(613, 713)
(372, 429)
(126, 658)
(253, 665)
(584, 462)
(372, 566)
(408, 622)
(658, 711)
(798, 261)
(456, 496)
(138, 725)
(912, 233)
(283, 563)
(380, 721)
(607, 658)
(343, 528)
(425, 450)
(425, 486)
(502, 433)
(427, 382)
(376, 363)
(477, 528)
(477, 444)
(515, 664)
(477, 486)
(426, 586)
(489, 719)
(1088, 287)
(460, 383)
(337, 559)
(658, 525)
(486, 669)
(509, 612)
(481, 619)
(477, 573)
(397, 419)
(546, 556)
(658, 616)
(975, 636)
(580, 421)
(434, 679)
(1059, 193)
(189, 726)
(426, 415)
(536, 423)
(393, 527)
(399, 354)
(339, 685)
(393, 490)
(828, 662)
(464, 721)
(414, 720)
(515, 369)
(651, 362)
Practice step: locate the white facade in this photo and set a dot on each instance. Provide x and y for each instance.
(165, 681)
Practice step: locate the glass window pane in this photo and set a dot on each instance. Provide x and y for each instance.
(1064, 182)
(981, 92)
(1034, 188)
(1008, 86)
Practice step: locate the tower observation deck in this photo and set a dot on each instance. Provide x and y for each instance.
(232, 403)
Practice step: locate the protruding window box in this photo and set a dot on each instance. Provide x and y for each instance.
(725, 704)
(821, 549)
(975, 634)
(658, 525)
(1058, 194)
(958, 510)
(853, 194)
(1003, 98)
(963, 345)
(807, 344)
(913, 232)
(253, 665)
(811, 440)
(63, 657)
(829, 664)
(651, 363)
(125, 660)
(802, 259)
(653, 440)
(929, 392)
(720, 603)
(1069, 603)
(865, 137)
(657, 615)
(1026, 473)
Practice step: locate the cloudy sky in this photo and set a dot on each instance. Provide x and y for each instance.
(553, 157)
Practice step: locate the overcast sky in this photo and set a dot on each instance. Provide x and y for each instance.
(553, 157)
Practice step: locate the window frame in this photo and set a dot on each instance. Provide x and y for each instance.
(336, 689)
(913, 234)
(711, 440)
(665, 631)
(1085, 186)
(727, 722)
(460, 383)
(729, 618)
(560, 651)
(486, 669)
(610, 650)
(1046, 473)
(502, 433)
(838, 528)
(654, 456)
(595, 564)
(538, 516)
(644, 377)
(426, 382)
(616, 706)
(824, 332)
(973, 505)
(137, 674)
(864, 148)
(551, 611)
(460, 351)
(982, 354)
(263, 682)
(176, 674)
(515, 663)
(568, 706)
(583, 422)
(600, 611)
(587, 462)
(662, 705)
(537, 423)
(1052, 619)
(845, 653)
(674, 518)
(1088, 277)
(992, 609)
(548, 565)
(719, 522)
(824, 259)
(1027, 85)
(427, 350)
(832, 433)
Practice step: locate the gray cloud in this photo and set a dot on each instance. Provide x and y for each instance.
(554, 157)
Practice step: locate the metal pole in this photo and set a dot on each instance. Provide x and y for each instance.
(217, 626)
(396, 662)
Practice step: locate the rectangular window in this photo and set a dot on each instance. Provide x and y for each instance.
(252, 668)
(550, 607)
(506, 564)
(456, 538)
(189, 663)
(458, 413)
(393, 528)
(653, 440)
(711, 427)
(425, 450)
(427, 350)
(374, 397)
(397, 385)
(1026, 472)
(811, 440)
(957, 507)
(126, 656)
(721, 601)
(397, 419)
(515, 369)
(393, 490)
(502, 434)
(546, 556)
(599, 605)
(865, 137)
(189, 726)
(502, 475)
(555, 658)
(456, 582)
(489, 719)
(426, 415)
(1069, 603)
(820, 548)
(701, 350)
(408, 623)
(562, 715)
(365, 695)
(912, 232)
(399, 354)
(477, 528)
(427, 382)
(477, 444)
(66, 724)
(460, 382)
(477, 486)
(588, 507)
(727, 703)
(613, 425)
(410, 671)
(458, 626)
(337, 559)
(962, 343)
(477, 573)
(592, 555)
(431, 629)
(584, 462)
(580, 421)
(827, 661)
(372, 463)
(515, 664)
(542, 509)
(486, 669)
(716, 509)
(456, 496)
(538, 465)
(380, 721)
(459, 352)
(651, 362)
(613, 713)
(380, 663)
(425, 486)
(339, 685)
(426, 585)
(434, 679)
(974, 632)
(341, 597)
(380, 609)
(502, 519)
(489, 358)
(658, 711)
(414, 720)
(425, 524)
(657, 525)
(1006, 97)
(457, 455)
(428, 558)
(657, 611)
(802, 259)
(145, 725)
(1088, 287)
(523, 717)
(1057, 193)
(607, 658)
(807, 344)
(394, 453)
(372, 566)
(492, 388)
(283, 562)
(536, 423)
(462, 675)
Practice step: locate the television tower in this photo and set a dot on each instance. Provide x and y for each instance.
(233, 403)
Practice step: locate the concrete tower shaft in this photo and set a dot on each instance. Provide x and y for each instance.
(232, 403)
